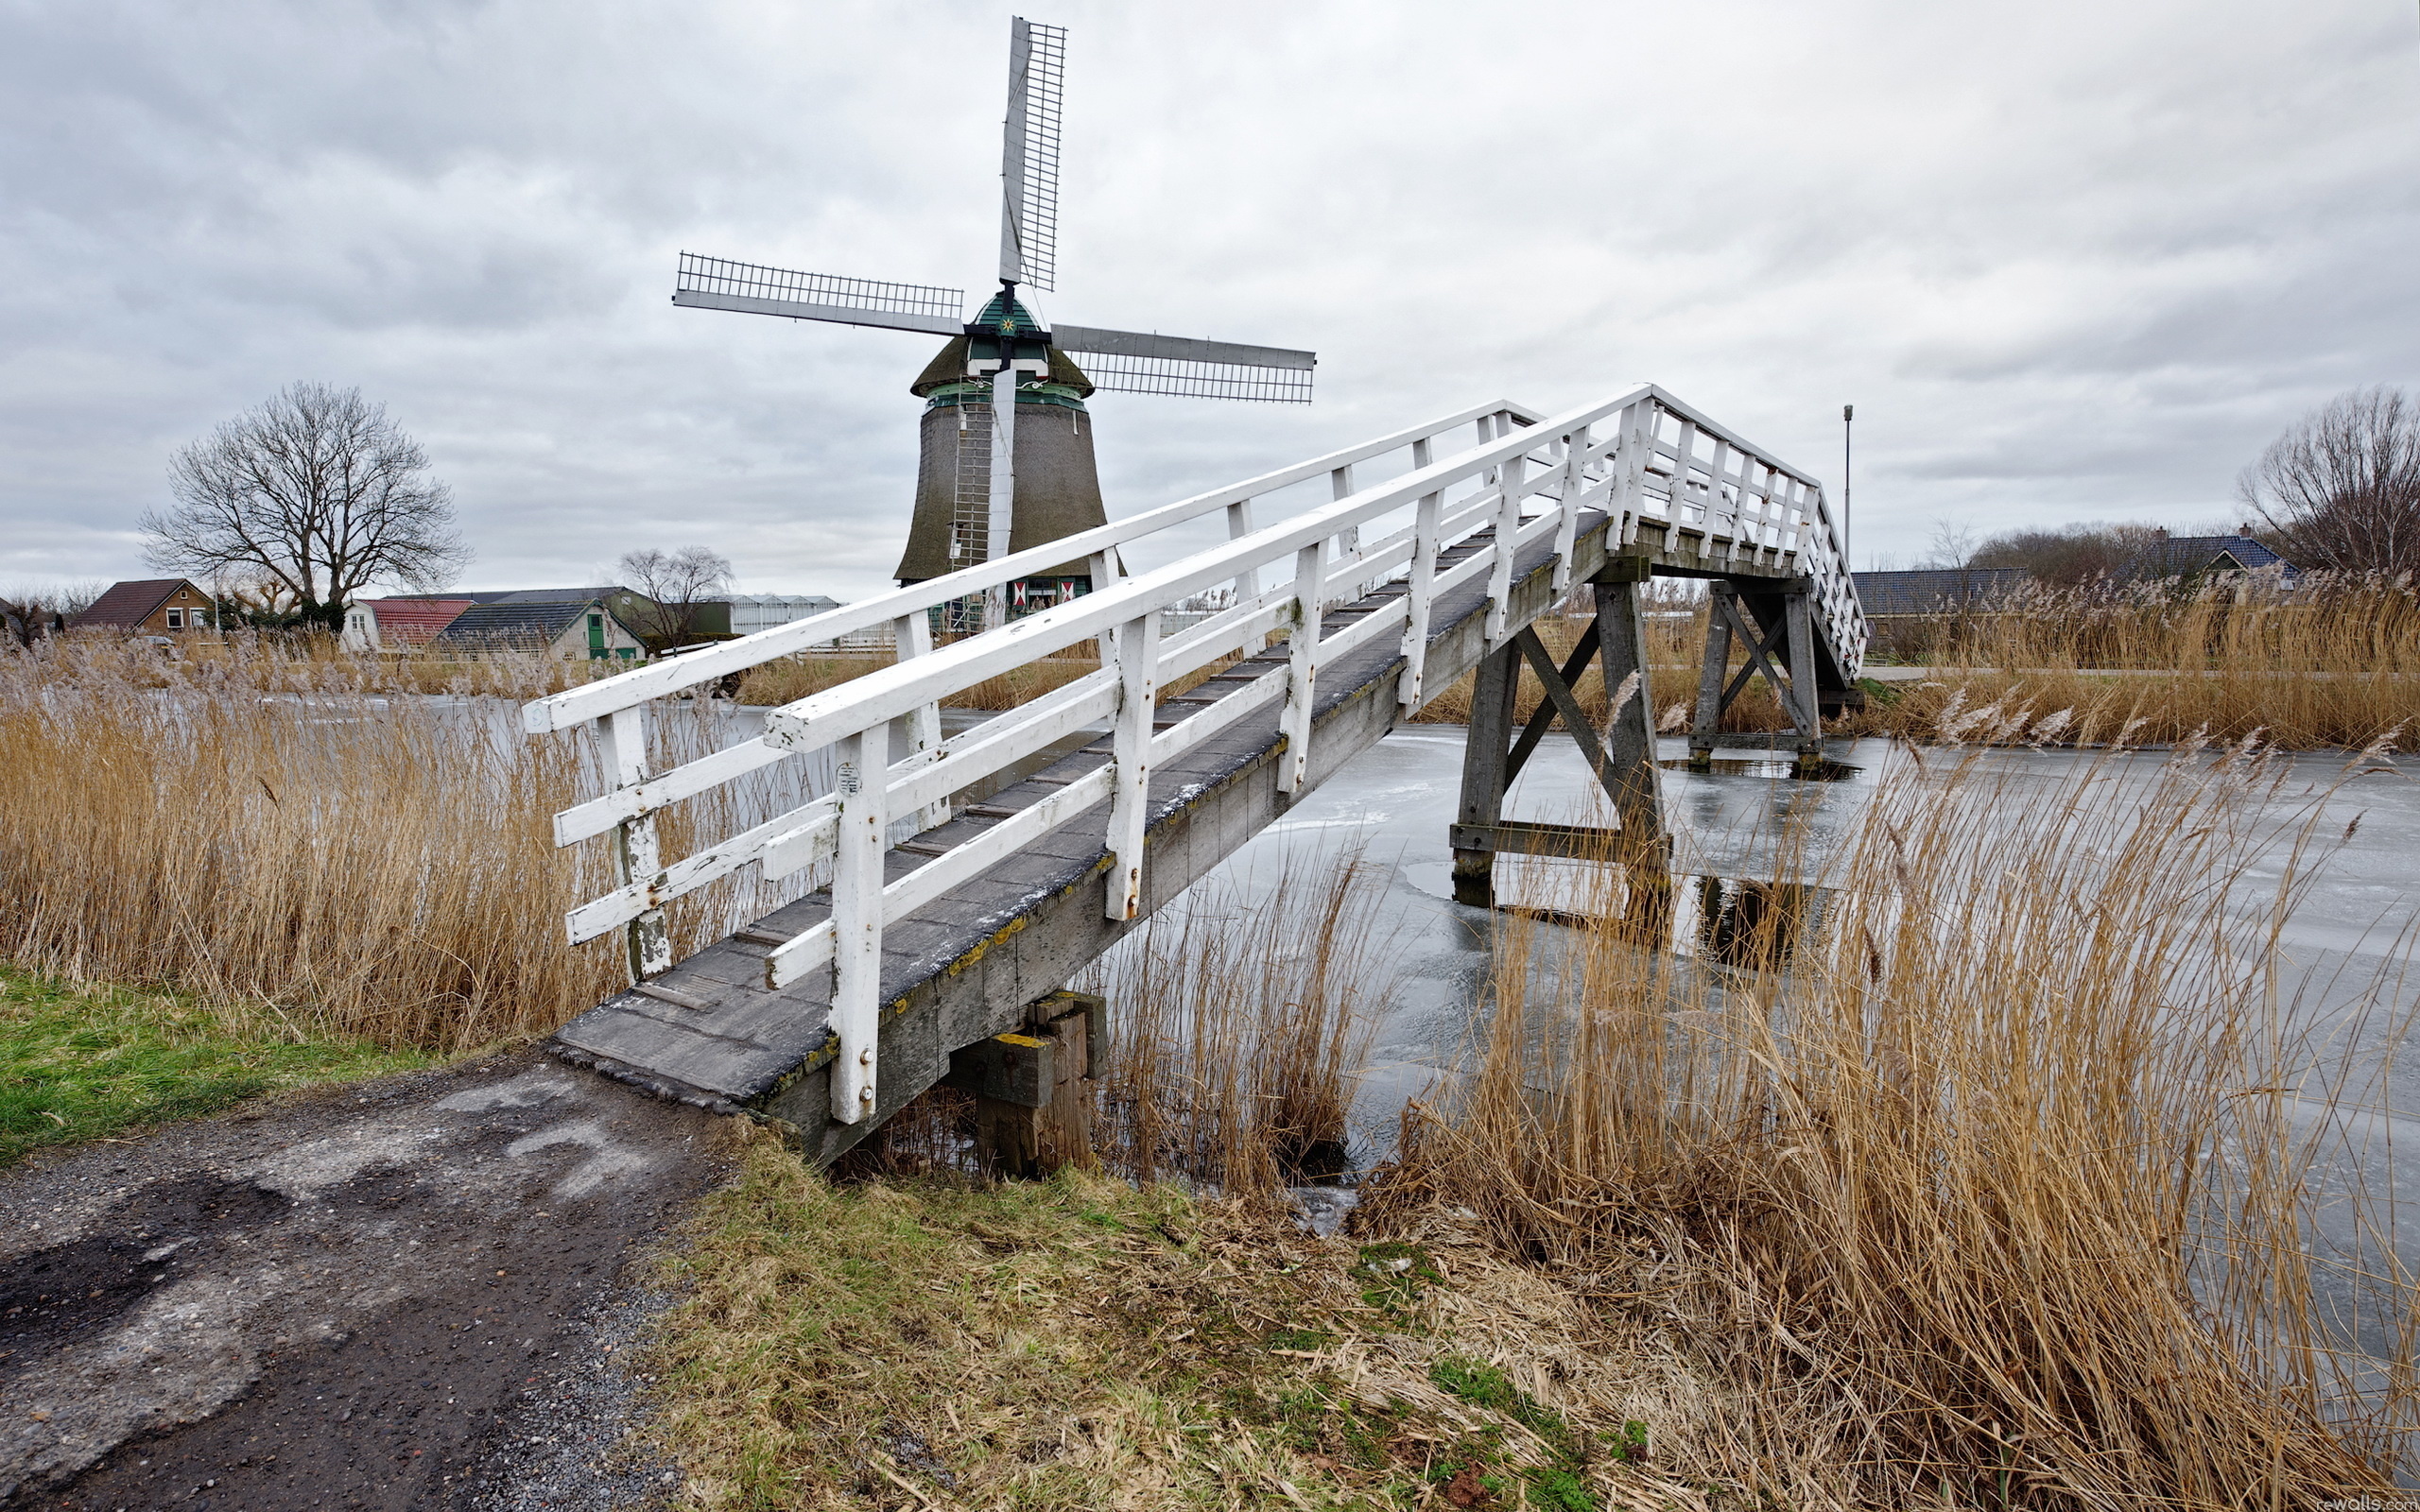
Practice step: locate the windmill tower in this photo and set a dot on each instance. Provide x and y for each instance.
(1006, 455)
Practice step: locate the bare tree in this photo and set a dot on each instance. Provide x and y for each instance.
(32, 612)
(2069, 556)
(2340, 490)
(1953, 545)
(678, 583)
(313, 496)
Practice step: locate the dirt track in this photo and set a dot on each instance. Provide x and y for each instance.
(353, 1299)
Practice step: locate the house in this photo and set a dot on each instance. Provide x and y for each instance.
(569, 625)
(149, 606)
(2193, 557)
(398, 623)
(1934, 591)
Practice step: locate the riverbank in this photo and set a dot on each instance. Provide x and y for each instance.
(1085, 1343)
(87, 1061)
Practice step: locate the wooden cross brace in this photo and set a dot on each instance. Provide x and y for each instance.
(1622, 755)
(1789, 638)
(1559, 699)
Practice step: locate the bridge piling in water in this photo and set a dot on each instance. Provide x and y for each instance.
(1622, 756)
(1773, 621)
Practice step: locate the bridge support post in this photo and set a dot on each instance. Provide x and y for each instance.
(1033, 1088)
(1487, 770)
(1623, 757)
(1777, 629)
(1630, 774)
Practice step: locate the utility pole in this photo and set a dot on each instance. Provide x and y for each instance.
(1848, 427)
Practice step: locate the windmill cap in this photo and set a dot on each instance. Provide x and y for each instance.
(1006, 313)
(949, 366)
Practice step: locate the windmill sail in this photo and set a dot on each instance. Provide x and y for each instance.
(1029, 154)
(1133, 362)
(718, 283)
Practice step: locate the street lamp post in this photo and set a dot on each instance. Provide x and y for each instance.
(1848, 427)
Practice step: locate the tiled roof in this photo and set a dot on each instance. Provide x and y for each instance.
(2182, 555)
(528, 626)
(528, 595)
(414, 621)
(129, 603)
(1932, 590)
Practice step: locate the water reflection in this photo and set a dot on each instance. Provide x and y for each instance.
(1752, 925)
(1769, 765)
(1730, 923)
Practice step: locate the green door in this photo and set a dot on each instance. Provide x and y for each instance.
(595, 634)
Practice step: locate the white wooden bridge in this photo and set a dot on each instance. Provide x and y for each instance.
(934, 922)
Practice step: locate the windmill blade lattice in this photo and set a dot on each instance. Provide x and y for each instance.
(1029, 154)
(1137, 363)
(719, 275)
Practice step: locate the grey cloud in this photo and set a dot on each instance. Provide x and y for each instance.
(2071, 260)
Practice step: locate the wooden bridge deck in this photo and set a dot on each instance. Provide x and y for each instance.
(966, 965)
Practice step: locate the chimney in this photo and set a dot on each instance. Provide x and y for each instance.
(2244, 530)
(2159, 532)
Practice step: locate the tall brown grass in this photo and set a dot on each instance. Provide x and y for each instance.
(1237, 1023)
(310, 660)
(2334, 661)
(1237, 1019)
(2006, 1192)
(268, 831)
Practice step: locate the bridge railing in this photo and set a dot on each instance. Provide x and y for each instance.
(1527, 479)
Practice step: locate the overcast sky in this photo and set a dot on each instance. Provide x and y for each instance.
(2069, 260)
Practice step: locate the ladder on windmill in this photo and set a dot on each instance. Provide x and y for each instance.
(934, 921)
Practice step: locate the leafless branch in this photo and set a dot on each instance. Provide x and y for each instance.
(678, 583)
(2340, 490)
(312, 496)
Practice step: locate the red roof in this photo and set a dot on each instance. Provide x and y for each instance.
(413, 621)
(129, 603)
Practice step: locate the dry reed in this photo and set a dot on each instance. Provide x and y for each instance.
(266, 830)
(1999, 1197)
(1236, 1027)
(2333, 662)
(315, 662)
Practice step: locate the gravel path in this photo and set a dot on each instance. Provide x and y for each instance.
(375, 1296)
(565, 1445)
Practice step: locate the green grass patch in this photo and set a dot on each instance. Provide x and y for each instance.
(938, 1342)
(85, 1062)
(1394, 1274)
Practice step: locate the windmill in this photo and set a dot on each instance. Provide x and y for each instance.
(969, 505)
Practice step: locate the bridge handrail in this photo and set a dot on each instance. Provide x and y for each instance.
(1615, 455)
(628, 689)
(820, 718)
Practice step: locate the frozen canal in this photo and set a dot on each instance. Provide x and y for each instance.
(1397, 800)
